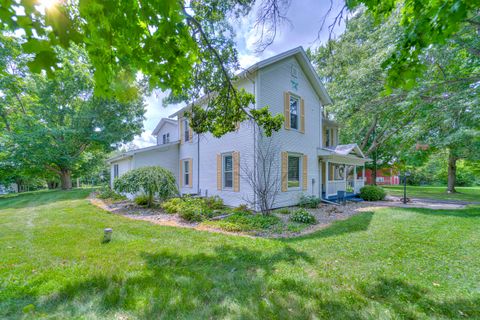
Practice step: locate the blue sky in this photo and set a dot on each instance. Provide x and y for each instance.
(305, 18)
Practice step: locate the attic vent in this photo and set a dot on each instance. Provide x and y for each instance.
(294, 72)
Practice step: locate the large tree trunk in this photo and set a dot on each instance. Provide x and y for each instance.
(66, 179)
(452, 173)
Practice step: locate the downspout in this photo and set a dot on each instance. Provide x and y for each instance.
(198, 165)
(254, 143)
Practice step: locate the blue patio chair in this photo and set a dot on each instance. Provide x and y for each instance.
(341, 197)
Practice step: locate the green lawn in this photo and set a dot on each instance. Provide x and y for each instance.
(387, 264)
(463, 193)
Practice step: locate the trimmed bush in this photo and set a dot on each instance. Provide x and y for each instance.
(303, 216)
(372, 193)
(141, 200)
(309, 201)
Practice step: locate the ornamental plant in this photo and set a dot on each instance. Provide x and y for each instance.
(152, 181)
(372, 193)
(303, 216)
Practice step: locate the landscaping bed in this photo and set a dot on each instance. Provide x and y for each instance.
(210, 214)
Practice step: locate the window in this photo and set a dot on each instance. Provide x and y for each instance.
(327, 138)
(380, 179)
(186, 130)
(115, 171)
(227, 168)
(293, 171)
(166, 138)
(294, 112)
(186, 172)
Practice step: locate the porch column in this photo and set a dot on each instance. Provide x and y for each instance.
(355, 179)
(345, 177)
(327, 178)
(363, 174)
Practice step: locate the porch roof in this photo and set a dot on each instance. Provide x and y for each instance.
(344, 153)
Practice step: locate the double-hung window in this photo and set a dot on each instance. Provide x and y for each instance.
(293, 171)
(186, 172)
(227, 170)
(186, 130)
(166, 138)
(115, 171)
(294, 112)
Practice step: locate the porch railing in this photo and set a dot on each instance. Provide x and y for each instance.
(359, 183)
(341, 185)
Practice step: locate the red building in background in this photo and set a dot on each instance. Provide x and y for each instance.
(387, 176)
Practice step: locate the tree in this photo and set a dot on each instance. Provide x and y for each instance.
(184, 46)
(263, 175)
(58, 122)
(153, 181)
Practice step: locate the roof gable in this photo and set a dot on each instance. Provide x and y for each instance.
(162, 122)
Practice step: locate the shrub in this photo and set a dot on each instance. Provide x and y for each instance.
(214, 203)
(172, 205)
(283, 211)
(302, 216)
(153, 181)
(141, 200)
(372, 193)
(194, 209)
(248, 221)
(106, 192)
(309, 201)
(242, 208)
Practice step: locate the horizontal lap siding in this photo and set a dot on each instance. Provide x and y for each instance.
(273, 82)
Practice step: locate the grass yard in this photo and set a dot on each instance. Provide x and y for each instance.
(388, 264)
(463, 193)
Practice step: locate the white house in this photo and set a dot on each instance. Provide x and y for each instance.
(307, 159)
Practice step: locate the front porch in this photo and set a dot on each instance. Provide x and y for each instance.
(342, 169)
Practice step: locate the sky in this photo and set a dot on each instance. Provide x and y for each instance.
(303, 29)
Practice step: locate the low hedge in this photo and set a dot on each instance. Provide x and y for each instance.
(372, 193)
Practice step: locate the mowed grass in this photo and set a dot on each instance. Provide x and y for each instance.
(439, 193)
(386, 264)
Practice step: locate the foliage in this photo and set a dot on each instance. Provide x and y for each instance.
(105, 192)
(246, 221)
(186, 47)
(309, 201)
(153, 181)
(242, 208)
(372, 193)
(194, 208)
(141, 200)
(283, 211)
(303, 216)
(468, 194)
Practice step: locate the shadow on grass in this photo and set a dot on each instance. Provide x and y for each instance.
(356, 223)
(43, 197)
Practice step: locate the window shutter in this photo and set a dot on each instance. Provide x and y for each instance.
(219, 171)
(180, 178)
(304, 172)
(302, 116)
(190, 172)
(284, 171)
(286, 112)
(190, 134)
(236, 171)
(180, 126)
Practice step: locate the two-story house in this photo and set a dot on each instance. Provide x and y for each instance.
(306, 156)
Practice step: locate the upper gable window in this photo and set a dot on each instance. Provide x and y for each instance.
(294, 112)
(166, 138)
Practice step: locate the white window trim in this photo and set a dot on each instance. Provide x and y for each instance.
(294, 96)
(226, 154)
(300, 171)
(186, 170)
(116, 171)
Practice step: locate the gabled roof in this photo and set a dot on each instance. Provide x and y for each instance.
(136, 151)
(345, 149)
(305, 64)
(162, 122)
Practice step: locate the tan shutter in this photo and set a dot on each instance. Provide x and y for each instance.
(302, 116)
(190, 172)
(180, 178)
(286, 112)
(304, 173)
(219, 171)
(236, 171)
(284, 171)
(181, 130)
(190, 134)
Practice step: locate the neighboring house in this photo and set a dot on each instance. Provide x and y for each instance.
(307, 158)
(386, 176)
(4, 189)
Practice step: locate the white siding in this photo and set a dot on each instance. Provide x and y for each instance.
(124, 165)
(169, 128)
(273, 81)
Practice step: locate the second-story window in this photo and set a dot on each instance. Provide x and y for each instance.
(327, 138)
(186, 130)
(166, 138)
(294, 112)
